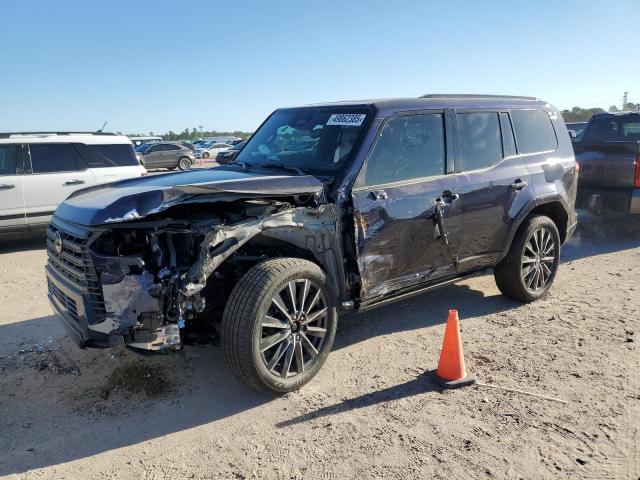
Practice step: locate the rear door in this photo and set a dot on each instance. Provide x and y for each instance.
(493, 184)
(171, 154)
(110, 162)
(11, 187)
(56, 171)
(398, 237)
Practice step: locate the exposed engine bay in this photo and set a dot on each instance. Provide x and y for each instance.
(165, 278)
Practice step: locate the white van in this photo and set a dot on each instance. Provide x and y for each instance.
(40, 170)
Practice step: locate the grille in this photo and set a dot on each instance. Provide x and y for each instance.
(73, 261)
(68, 302)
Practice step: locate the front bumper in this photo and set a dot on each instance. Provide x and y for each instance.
(69, 303)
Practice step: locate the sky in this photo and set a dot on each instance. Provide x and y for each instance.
(155, 66)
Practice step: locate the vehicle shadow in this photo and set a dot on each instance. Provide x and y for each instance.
(597, 235)
(70, 418)
(23, 243)
(421, 384)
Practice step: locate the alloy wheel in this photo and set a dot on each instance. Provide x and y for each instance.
(293, 328)
(538, 260)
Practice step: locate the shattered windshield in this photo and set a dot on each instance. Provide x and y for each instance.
(318, 140)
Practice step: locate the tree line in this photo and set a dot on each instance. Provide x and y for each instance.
(579, 114)
(192, 134)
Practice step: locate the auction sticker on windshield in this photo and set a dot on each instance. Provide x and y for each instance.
(346, 119)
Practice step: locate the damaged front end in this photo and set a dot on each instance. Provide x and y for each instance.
(162, 279)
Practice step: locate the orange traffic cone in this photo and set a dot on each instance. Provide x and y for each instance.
(451, 371)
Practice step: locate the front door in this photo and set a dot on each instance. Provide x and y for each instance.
(154, 157)
(403, 206)
(11, 188)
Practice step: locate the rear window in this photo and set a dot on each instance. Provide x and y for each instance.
(104, 156)
(7, 159)
(613, 129)
(54, 157)
(534, 132)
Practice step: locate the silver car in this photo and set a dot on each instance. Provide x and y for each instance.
(169, 155)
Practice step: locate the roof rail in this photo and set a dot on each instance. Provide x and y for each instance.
(17, 134)
(474, 95)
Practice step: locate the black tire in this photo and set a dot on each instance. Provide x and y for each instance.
(245, 333)
(184, 163)
(205, 155)
(524, 274)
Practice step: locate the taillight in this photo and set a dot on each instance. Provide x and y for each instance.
(637, 182)
(577, 168)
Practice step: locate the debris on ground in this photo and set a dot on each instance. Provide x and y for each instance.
(137, 379)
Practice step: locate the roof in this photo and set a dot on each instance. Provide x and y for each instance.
(92, 138)
(439, 101)
(617, 114)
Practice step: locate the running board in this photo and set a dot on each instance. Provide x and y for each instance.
(364, 307)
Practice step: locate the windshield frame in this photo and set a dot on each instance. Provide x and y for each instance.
(368, 109)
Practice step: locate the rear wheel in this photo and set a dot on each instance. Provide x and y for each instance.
(529, 269)
(279, 324)
(184, 163)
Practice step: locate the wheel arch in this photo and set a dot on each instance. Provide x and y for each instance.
(554, 207)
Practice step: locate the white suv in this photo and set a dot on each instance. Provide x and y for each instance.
(40, 170)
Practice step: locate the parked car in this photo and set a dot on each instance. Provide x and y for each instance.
(226, 156)
(169, 155)
(395, 198)
(211, 150)
(40, 170)
(609, 157)
(576, 129)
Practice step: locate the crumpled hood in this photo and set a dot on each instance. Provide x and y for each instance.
(138, 197)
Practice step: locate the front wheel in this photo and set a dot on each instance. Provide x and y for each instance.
(184, 163)
(279, 324)
(205, 155)
(529, 269)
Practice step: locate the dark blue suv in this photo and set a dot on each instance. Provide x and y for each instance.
(327, 208)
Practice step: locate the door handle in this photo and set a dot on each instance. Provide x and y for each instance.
(448, 196)
(7, 186)
(443, 236)
(74, 182)
(518, 185)
(379, 195)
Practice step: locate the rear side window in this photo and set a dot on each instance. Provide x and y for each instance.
(103, 156)
(631, 130)
(169, 147)
(54, 157)
(409, 147)
(534, 132)
(480, 140)
(7, 159)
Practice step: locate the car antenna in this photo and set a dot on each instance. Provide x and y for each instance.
(103, 125)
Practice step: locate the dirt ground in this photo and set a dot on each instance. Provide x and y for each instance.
(370, 413)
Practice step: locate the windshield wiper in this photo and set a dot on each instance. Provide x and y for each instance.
(242, 164)
(298, 170)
